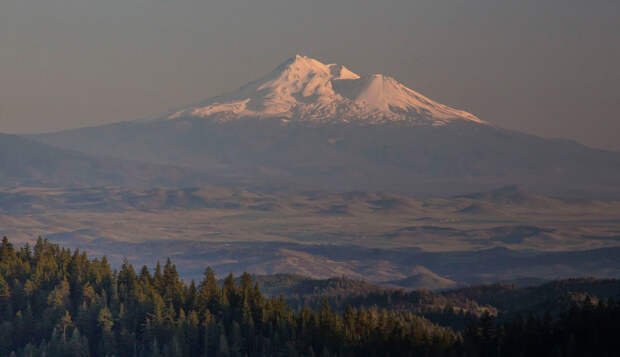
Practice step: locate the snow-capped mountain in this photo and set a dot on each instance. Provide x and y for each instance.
(303, 89)
(309, 125)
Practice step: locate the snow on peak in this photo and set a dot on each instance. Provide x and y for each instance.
(303, 65)
(304, 89)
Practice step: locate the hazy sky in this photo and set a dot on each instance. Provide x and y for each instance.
(549, 67)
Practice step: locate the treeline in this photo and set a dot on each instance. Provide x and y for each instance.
(555, 296)
(438, 308)
(584, 330)
(58, 302)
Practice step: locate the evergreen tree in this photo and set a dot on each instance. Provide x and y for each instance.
(57, 302)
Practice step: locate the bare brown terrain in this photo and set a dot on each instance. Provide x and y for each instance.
(291, 232)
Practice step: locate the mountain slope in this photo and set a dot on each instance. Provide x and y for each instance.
(315, 126)
(303, 89)
(25, 162)
(422, 278)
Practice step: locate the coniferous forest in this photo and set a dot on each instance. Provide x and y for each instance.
(58, 302)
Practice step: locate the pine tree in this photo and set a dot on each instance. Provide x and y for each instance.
(107, 341)
(209, 297)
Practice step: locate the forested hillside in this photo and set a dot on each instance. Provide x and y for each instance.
(58, 302)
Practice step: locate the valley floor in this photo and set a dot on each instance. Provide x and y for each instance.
(385, 238)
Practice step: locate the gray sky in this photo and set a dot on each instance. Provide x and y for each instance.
(550, 67)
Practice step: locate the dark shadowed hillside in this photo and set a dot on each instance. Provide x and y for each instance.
(25, 162)
(451, 159)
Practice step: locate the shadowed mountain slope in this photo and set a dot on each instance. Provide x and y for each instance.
(24, 162)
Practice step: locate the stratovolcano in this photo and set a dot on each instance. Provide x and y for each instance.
(303, 89)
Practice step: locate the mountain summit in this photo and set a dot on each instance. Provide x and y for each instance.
(305, 90)
(309, 125)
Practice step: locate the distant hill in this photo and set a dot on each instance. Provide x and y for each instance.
(25, 162)
(377, 266)
(299, 285)
(509, 195)
(422, 278)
